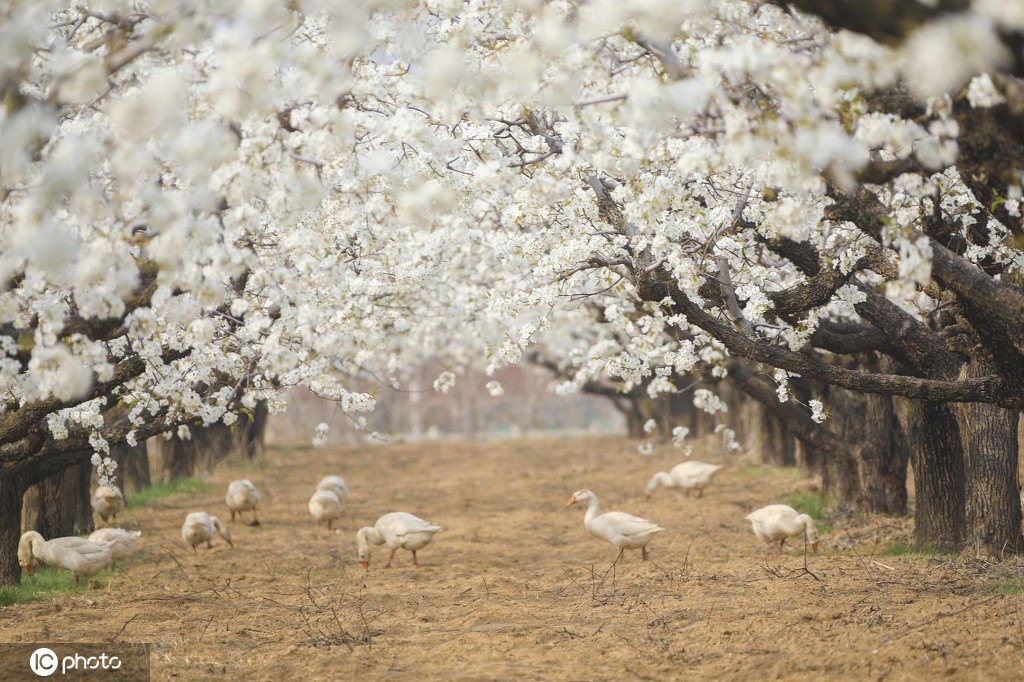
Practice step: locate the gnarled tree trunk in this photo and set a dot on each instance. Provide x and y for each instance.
(936, 455)
(992, 493)
(59, 505)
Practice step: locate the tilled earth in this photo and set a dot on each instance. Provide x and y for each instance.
(514, 588)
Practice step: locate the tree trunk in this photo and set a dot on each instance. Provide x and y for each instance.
(883, 454)
(211, 444)
(176, 458)
(840, 471)
(132, 467)
(780, 445)
(248, 437)
(936, 455)
(12, 489)
(992, 492)
(59, 505)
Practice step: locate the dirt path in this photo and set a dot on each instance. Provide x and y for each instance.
(515, 589)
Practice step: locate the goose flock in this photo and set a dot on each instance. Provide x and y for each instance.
(85, 557)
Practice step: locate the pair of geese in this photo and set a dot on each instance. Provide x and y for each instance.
(84, 557)
(772, 524)
(397, 530)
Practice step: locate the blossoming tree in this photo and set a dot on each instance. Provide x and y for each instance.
(202, 204)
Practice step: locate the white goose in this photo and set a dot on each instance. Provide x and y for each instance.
(625, 531)
(397, 530)
(325, 506)
(121, 542)
(335, 484)
(199, 527)
(78, 555)
(776, 522)
(687, 476)
(107, 501)
(243, 496)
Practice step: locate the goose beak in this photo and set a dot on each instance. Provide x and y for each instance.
(814, 546)
(365, 565)
(572, 501)
(28, 568)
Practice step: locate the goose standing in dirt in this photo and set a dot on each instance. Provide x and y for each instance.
(243, 496)
(397, 530)
(199, 527)
(107, 501)
(623, 530)
(325, 506)
(78, 555)
(776, 522)
(121, 542)
(686, 476)
(335, 484)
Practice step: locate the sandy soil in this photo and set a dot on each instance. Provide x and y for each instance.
(515, 589)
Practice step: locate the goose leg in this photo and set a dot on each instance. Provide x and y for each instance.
(390, 558)
(781, 543)
(329, 524)
(74, 579)
(414, 562)
(232, 516)
(255, 521)
(643, 553)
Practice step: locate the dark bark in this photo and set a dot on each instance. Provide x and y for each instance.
(883, 458)
(250, 434)
(992, 494)
(135, 467)
(132, 471)
(176, 458)
(887, 21)
(780, 447)
(936, 455)
(12, 488)
(59, 505)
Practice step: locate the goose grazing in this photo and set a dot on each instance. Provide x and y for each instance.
(243, 496)
(776, 522)
(335, 484)
(686, 476)
(78, 555)
(325, 506)
(199, 527)
(397, 530)
(121, 542)
(107, 501)
(625, 531)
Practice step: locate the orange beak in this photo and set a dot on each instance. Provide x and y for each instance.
(28, 568)
(365, 565)
(814, 546)
(572, 501)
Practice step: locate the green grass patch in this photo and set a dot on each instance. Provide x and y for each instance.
(764, 472)
(45, 582)
(812, 504)
(907, 550)
(160, 491)
(1010, 586)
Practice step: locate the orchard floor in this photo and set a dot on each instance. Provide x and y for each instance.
(514, 589)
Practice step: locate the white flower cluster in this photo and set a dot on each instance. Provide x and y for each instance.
(444, 382)
(320, 435)
(704, 399)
